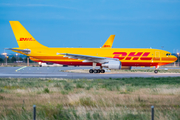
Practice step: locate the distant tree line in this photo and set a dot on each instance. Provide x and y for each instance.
(14, 59)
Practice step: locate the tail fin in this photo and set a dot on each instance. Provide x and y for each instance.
(109, 42)
(23, 37)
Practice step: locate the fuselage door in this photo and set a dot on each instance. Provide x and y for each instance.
(157, 55)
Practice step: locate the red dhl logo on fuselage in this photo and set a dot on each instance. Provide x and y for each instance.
(106, 46)
(26, 39)
(132, 55)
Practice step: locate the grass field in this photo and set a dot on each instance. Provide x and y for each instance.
(90, 99)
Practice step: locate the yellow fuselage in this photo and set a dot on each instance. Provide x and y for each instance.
(127, 56)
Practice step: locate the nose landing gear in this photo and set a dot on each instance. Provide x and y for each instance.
(156, 70)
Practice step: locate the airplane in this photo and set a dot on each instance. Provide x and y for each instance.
(104, 57)
(107, 44)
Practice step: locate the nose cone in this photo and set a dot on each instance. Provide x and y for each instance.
(174, 58)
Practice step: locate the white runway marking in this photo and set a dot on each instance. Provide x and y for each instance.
(20, 68)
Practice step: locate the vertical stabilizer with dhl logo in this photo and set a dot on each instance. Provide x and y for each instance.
(109, 42)
(24, 39)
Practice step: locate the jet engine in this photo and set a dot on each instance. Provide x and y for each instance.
(112, 64)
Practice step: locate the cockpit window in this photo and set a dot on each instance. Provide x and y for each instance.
(168, 54)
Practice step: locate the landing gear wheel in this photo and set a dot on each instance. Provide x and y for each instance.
(156, 71)
(40, 65)
(91, 71)
(96, 71)
(102, 71)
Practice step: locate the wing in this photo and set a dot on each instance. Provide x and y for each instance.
(88, 58)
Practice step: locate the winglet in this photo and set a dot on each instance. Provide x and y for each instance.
(109, 42)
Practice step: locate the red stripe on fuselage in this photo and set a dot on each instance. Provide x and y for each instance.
(53, 57)
(168, 59)
(156, 59)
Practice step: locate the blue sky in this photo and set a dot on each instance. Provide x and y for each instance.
(88, 23)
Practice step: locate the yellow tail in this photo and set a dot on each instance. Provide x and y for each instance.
(23, 37)
(109, 42)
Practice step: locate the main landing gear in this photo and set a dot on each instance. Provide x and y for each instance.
(96, 71)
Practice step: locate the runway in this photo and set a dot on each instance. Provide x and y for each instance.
(58, 72)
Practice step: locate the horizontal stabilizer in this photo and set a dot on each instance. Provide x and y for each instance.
(26, 51)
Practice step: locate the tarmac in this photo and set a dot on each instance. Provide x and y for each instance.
(58, 72)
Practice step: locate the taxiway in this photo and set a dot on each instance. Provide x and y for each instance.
(58, 72)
